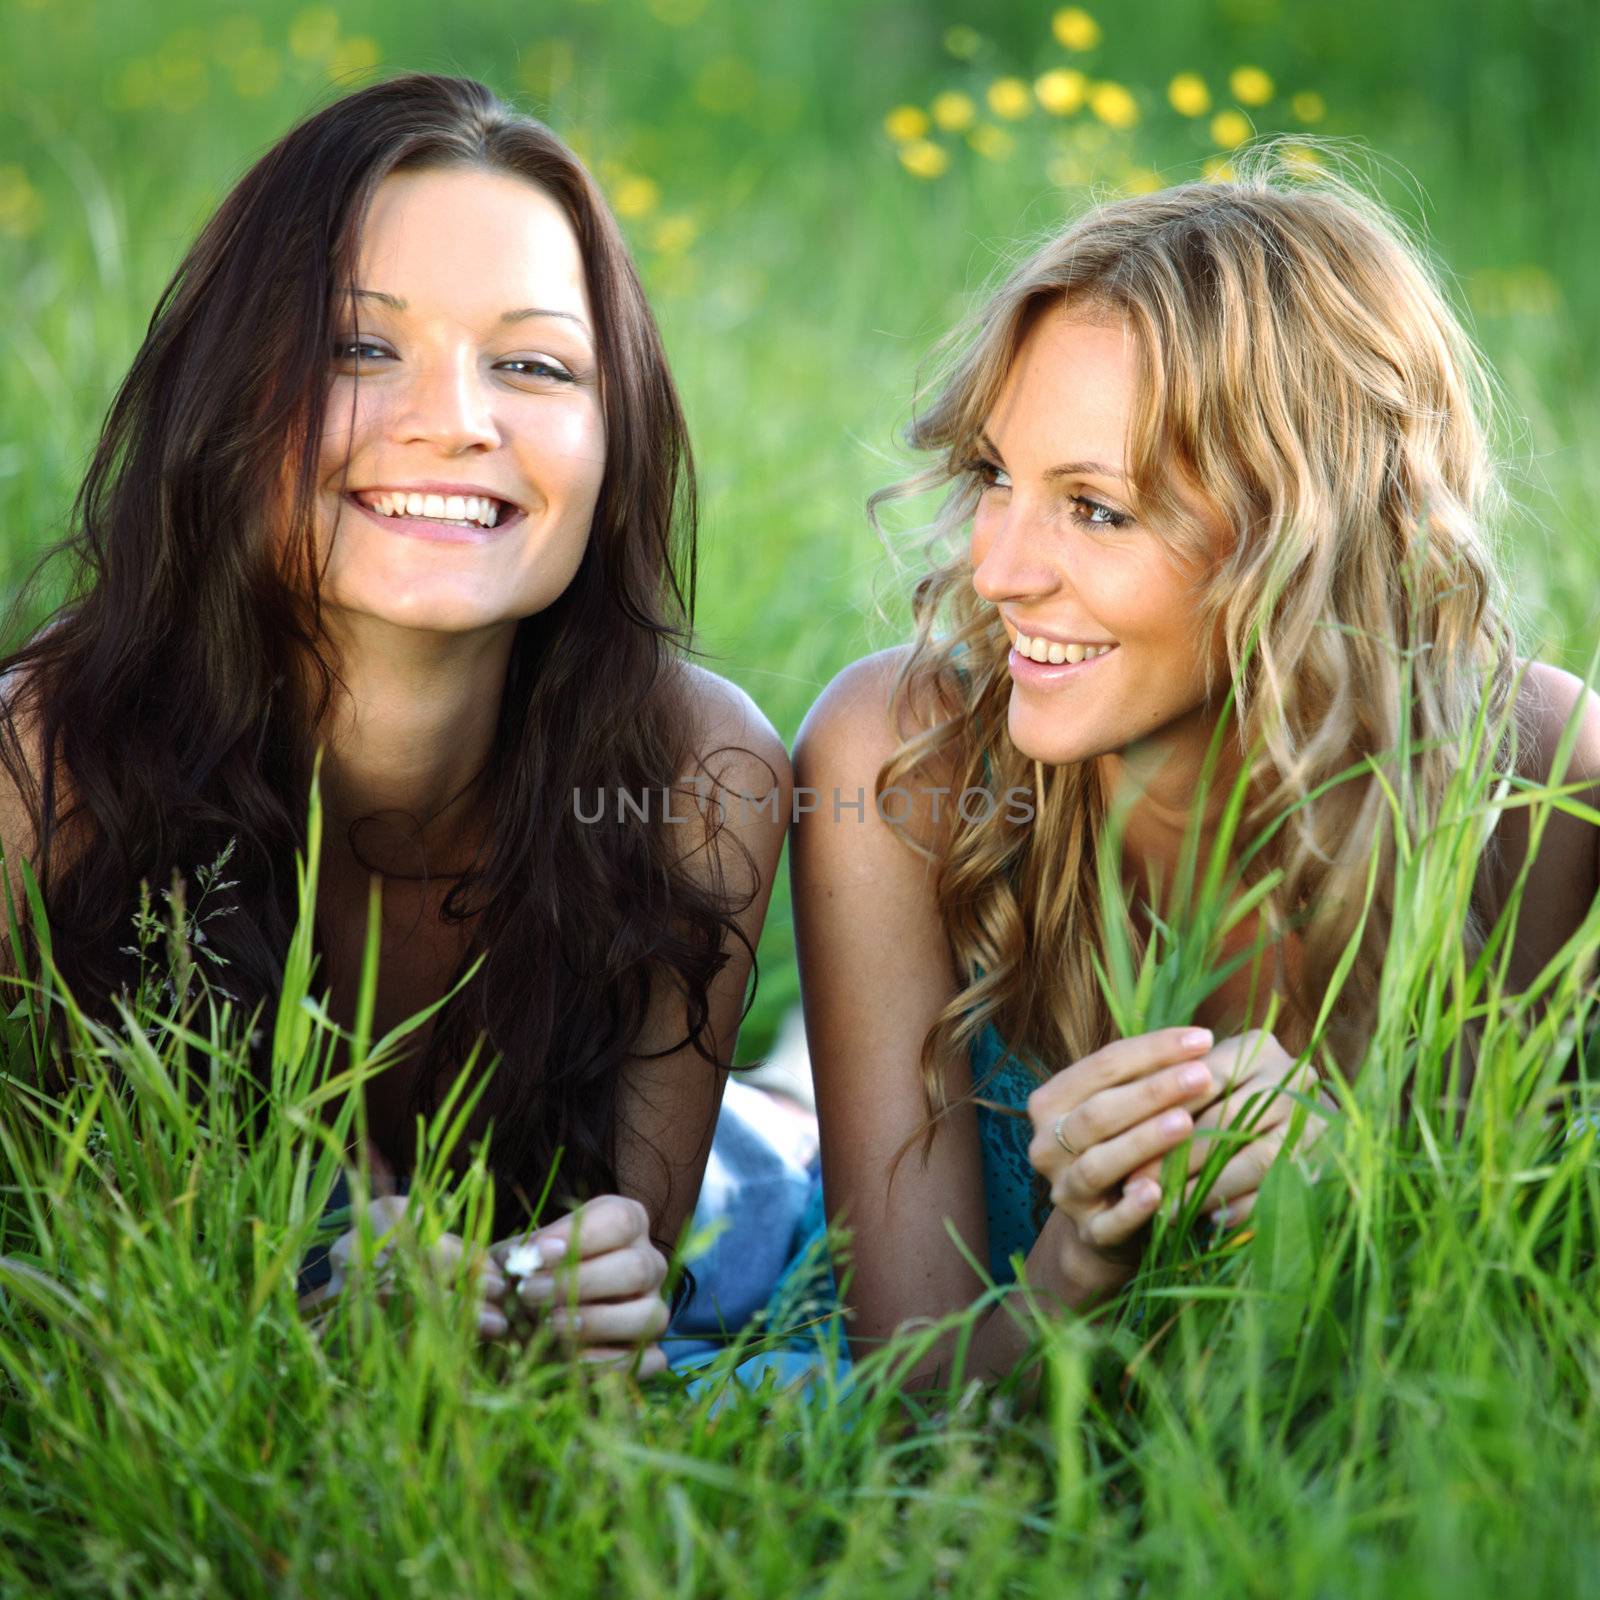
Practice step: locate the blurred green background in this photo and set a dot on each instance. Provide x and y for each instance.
(815, 194)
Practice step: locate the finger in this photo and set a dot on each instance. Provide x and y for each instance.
(1253, 1109)
(622, 1274)
(1113, 1111)
(451, 1258)
(1109, 1165)
(492, 1324)
(1118, 1222)
(1243, 1173)
(646, 1363)
(607, 1222)
(612, 1322)
(1118, 1062)
(1234, 1211)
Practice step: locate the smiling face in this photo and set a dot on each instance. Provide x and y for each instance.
(1108, 613)
(477, 373)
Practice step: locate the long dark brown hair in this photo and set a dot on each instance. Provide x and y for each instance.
(180, 684)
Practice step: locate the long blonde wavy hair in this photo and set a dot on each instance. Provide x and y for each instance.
(1299, 361)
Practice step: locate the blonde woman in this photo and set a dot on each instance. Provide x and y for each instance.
(1192, 414)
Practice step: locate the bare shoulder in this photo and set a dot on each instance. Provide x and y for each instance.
(859, 722)
(732, 735)
(857, 704)
(1550, 701)
(743, 780)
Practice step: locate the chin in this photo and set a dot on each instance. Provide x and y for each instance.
(425, 613)
(1041, 738)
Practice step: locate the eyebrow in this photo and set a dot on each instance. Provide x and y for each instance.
(394, 303)
(1067, 469)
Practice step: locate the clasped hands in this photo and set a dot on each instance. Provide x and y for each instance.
(1103, 1126)
(597, 1281)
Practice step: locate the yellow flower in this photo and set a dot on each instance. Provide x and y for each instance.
(1309, 106)
(635, 196)
(1301, 159)
(1113, 105)
(906, 122)
(963, 43)
(1075, 29)
(922, 158)
(546, 66)
(1141, 180)
(1250, 85)
(1189, 95)
(314, 33)
(1230, 128)
(353, 55)
(674, 234)
(1216, 170)
(1008, 98)
(993, 143)
(954, 111)
(1534, 293)
(1062, 91)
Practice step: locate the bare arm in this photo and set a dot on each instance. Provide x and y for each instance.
(876, 970)
(667, 1108)
(1565, 875)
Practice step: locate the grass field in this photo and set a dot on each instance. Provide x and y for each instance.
(1386, 1388)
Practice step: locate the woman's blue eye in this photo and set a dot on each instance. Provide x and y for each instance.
(1112, 519)
(546, 369)
(537, 367)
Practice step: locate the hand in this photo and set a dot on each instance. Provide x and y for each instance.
(448, 1255)
(601, 1278)
(1120, 1110)
(1253, 1064)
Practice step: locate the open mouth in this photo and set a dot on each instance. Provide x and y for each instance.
(1024, 669)
(447, 530)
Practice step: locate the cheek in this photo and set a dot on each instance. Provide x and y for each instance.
(982, 531)
(567, 450)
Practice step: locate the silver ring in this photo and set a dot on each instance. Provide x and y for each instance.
(1056, 1130)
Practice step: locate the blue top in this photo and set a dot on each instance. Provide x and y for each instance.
(1015, 1196)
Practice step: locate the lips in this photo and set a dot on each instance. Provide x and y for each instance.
(440, 532)
(1044, 675)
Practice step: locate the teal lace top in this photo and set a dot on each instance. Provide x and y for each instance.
(1015, 1196)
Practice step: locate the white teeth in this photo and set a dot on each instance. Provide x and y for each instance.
(471, 509)
(1048, 650)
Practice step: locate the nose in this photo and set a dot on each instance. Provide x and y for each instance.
(447, 404)
(1010, 559)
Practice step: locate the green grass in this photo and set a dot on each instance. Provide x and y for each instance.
(1387, 1387)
